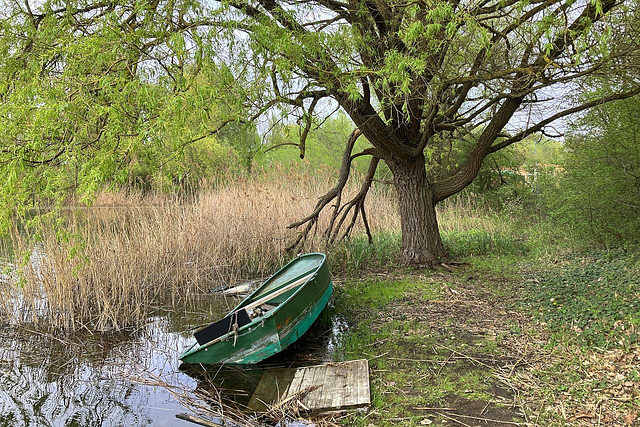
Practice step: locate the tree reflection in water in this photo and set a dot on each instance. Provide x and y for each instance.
(49, 379)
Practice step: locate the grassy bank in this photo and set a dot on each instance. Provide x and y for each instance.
(501, 341)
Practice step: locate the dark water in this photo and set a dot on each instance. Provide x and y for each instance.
(125, 379)
(48, 380)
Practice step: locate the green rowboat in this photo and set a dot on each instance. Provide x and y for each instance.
(270, 319)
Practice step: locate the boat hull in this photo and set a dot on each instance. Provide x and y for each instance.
(273, 332)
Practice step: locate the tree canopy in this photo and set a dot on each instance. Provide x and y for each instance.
(86, 82)
(93, 93)
(419, 79)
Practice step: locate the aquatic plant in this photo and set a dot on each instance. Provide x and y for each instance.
(108, 266)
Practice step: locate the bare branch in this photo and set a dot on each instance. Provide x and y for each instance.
(312, 218)
(284, 144)
(357, 205)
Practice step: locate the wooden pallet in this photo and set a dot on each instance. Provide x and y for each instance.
(329, 387)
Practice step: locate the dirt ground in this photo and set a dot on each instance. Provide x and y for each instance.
(475, 331)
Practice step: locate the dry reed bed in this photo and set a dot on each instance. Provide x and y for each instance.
(126, 257)
(127, 254)
(469, 212)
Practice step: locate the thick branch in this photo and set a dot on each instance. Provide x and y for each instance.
(335, 191)
(357, 206)
(468, 172)
(538, 127)
(307, 126)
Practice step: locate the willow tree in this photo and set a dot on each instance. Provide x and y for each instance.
(103, 93)
(417, 77)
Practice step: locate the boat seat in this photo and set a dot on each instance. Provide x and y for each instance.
(261, 310)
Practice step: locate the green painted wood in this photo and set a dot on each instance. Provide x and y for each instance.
(289, 273)
(279, 327)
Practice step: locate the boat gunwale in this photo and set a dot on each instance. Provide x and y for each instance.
(312, 275)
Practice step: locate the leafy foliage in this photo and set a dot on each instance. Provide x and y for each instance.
(95, 95)
(594, 299)
(511, 177)
(325, 144)
(602, 180)
(598, 195)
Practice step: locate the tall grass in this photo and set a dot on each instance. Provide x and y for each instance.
(111, 263)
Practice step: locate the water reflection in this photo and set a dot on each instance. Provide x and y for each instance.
(128, 379)
(235, 384)
(86, 380)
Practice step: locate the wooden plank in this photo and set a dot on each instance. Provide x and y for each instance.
(328, 389)
(273, 387)
(344, 382)
(364, 393)
(333, 386)
(314, 384)
(355, 389)
(298, 378)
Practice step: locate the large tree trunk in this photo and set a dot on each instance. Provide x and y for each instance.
(421, 242)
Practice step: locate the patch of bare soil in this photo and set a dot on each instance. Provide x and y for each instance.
(483, 339)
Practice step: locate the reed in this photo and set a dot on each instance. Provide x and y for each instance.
(110, 264)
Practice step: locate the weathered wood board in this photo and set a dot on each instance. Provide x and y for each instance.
(328, 387)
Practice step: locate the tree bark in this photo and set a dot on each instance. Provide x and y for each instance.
(421, 242)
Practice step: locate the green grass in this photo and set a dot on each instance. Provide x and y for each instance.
(355, 255)
(480, 242)
(377, 293)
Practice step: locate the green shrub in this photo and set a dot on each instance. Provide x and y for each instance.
(598, 195)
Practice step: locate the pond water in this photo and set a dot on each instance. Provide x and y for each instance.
(60, 381)
(131, 378)
(123, 379)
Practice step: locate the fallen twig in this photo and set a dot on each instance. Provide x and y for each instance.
(453, 419)
(488, 420)
(196, 420)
